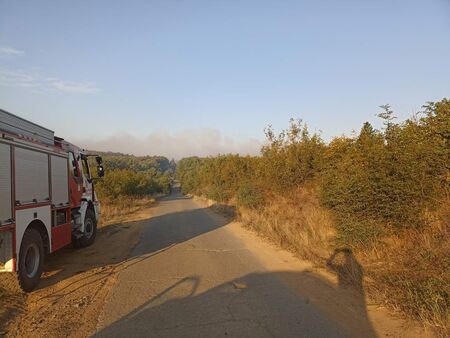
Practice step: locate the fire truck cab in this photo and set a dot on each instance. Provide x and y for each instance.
(47, 197)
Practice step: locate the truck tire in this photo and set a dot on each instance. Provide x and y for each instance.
(90, 232)
(31, 260)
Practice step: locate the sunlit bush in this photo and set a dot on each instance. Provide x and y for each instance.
(389, 176)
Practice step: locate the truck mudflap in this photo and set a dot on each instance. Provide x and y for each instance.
(7, 261)
(97, 210)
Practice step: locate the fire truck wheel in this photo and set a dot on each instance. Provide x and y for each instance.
(90, 233)
(31, 260)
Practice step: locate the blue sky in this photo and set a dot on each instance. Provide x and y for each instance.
(200, 77)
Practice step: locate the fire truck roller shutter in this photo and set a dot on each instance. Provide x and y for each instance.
(5, 183)
(60, 189)
(6, 240)
(31, 168)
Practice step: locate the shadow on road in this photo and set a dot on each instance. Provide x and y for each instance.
(161, 232)
(175, 196)
(281, 304)
(174, 228)
(255, 305)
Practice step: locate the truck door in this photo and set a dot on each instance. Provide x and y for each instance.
(75, 181)
(86, 173)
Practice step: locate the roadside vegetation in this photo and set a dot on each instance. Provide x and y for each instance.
(131, 184)
(382, 195)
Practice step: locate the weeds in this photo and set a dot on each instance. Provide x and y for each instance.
(123, 209)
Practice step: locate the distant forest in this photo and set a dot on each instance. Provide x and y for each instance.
(113, 161)
(134, 176)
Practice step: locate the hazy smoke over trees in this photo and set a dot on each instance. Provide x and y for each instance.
(198, 142)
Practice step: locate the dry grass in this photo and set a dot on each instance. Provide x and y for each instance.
(411, 270)
(408, 271)
(295, 221)
(125, 209)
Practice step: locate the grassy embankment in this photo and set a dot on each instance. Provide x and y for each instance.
(382, 196)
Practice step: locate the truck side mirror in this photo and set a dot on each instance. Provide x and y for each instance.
(100, 171)
(99, 160)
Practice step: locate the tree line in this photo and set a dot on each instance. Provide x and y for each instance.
(134, 176)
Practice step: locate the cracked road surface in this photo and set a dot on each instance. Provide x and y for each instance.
(194, 274)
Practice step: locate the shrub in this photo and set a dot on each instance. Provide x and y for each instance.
(118, 183)
(249, 195)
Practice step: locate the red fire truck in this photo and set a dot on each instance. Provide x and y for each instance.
(47, 197)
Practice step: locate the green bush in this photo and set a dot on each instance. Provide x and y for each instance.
(128, 175)
(292, 157)
(249, 196)
(129, 183)
(391, 176)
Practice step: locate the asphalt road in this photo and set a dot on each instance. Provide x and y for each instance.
(191, 275)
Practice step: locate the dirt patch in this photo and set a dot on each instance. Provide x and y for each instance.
(73, 287)
(12, 300)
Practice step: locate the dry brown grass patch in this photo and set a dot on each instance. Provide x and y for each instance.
(411, 271)
(125, 209)
(296, 221)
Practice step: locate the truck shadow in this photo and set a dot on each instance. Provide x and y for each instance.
(275, 304)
